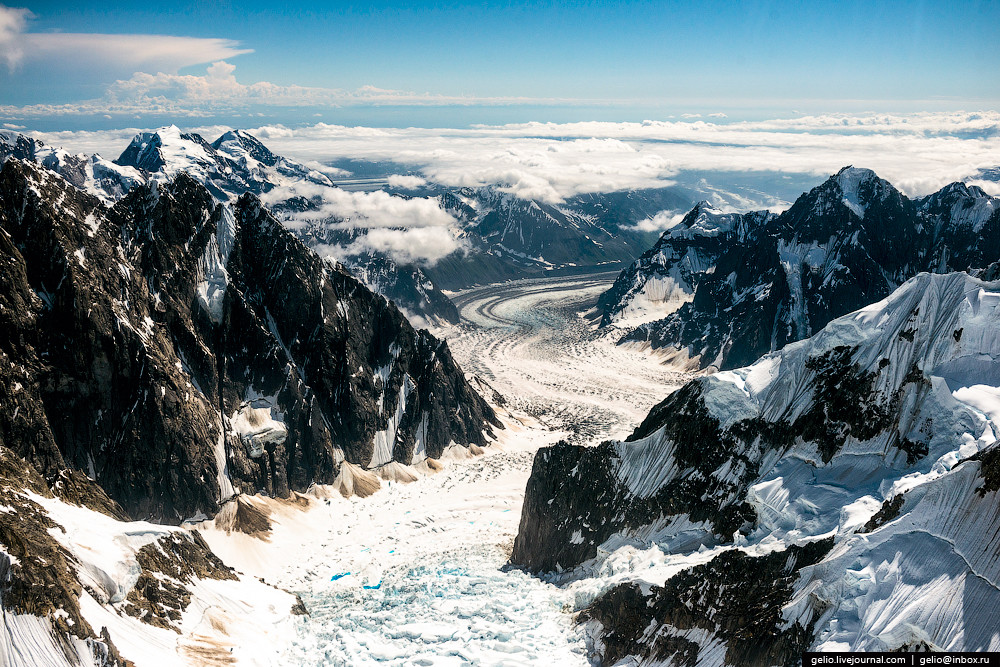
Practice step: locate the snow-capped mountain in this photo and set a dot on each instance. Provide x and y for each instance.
(839, 494)
(666, 276)
(232, 165)
(844, 244)
(175, 328)
(91, 173)
(238, 163)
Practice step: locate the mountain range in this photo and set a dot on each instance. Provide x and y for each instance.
(838, 494)
(720, 290)
(161, 359)
(500, 236)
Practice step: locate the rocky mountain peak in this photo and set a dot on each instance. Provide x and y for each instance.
(15, 144)
(853, 188)
(845, 243)
(242, 144)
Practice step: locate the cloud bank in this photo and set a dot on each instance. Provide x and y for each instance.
(410, 230)
(919, 153)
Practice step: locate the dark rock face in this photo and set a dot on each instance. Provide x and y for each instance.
(556, 497)
(846, 243)
(342, 326)
(735, 598)
(135, 334)
(408, 286)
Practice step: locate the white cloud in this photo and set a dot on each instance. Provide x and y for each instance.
(413, 230)
(406, 182)
(421, 245)
(93, 50)
(12, 126)
(13, 21)
(163, 52)
(660, 222)
(365, 209)
(919, 153)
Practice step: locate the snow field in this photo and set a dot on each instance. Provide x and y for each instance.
(414, 574)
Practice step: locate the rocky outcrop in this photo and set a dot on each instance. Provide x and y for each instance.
(139, 333)
(847, 243)
(728, 611)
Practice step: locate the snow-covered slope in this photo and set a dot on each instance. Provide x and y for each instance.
(80, 584)
(853, 473)
(844, 244)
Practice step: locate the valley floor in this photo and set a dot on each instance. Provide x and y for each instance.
(531, 341)
(414, 574)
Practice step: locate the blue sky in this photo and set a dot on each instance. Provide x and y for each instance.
(454, 64)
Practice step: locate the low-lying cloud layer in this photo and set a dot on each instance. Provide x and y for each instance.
(413, 230)
(421, 245)
(918, 153)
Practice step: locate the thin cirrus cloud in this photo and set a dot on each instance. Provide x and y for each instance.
(218, 91)
(165, 52)
(123, 52)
